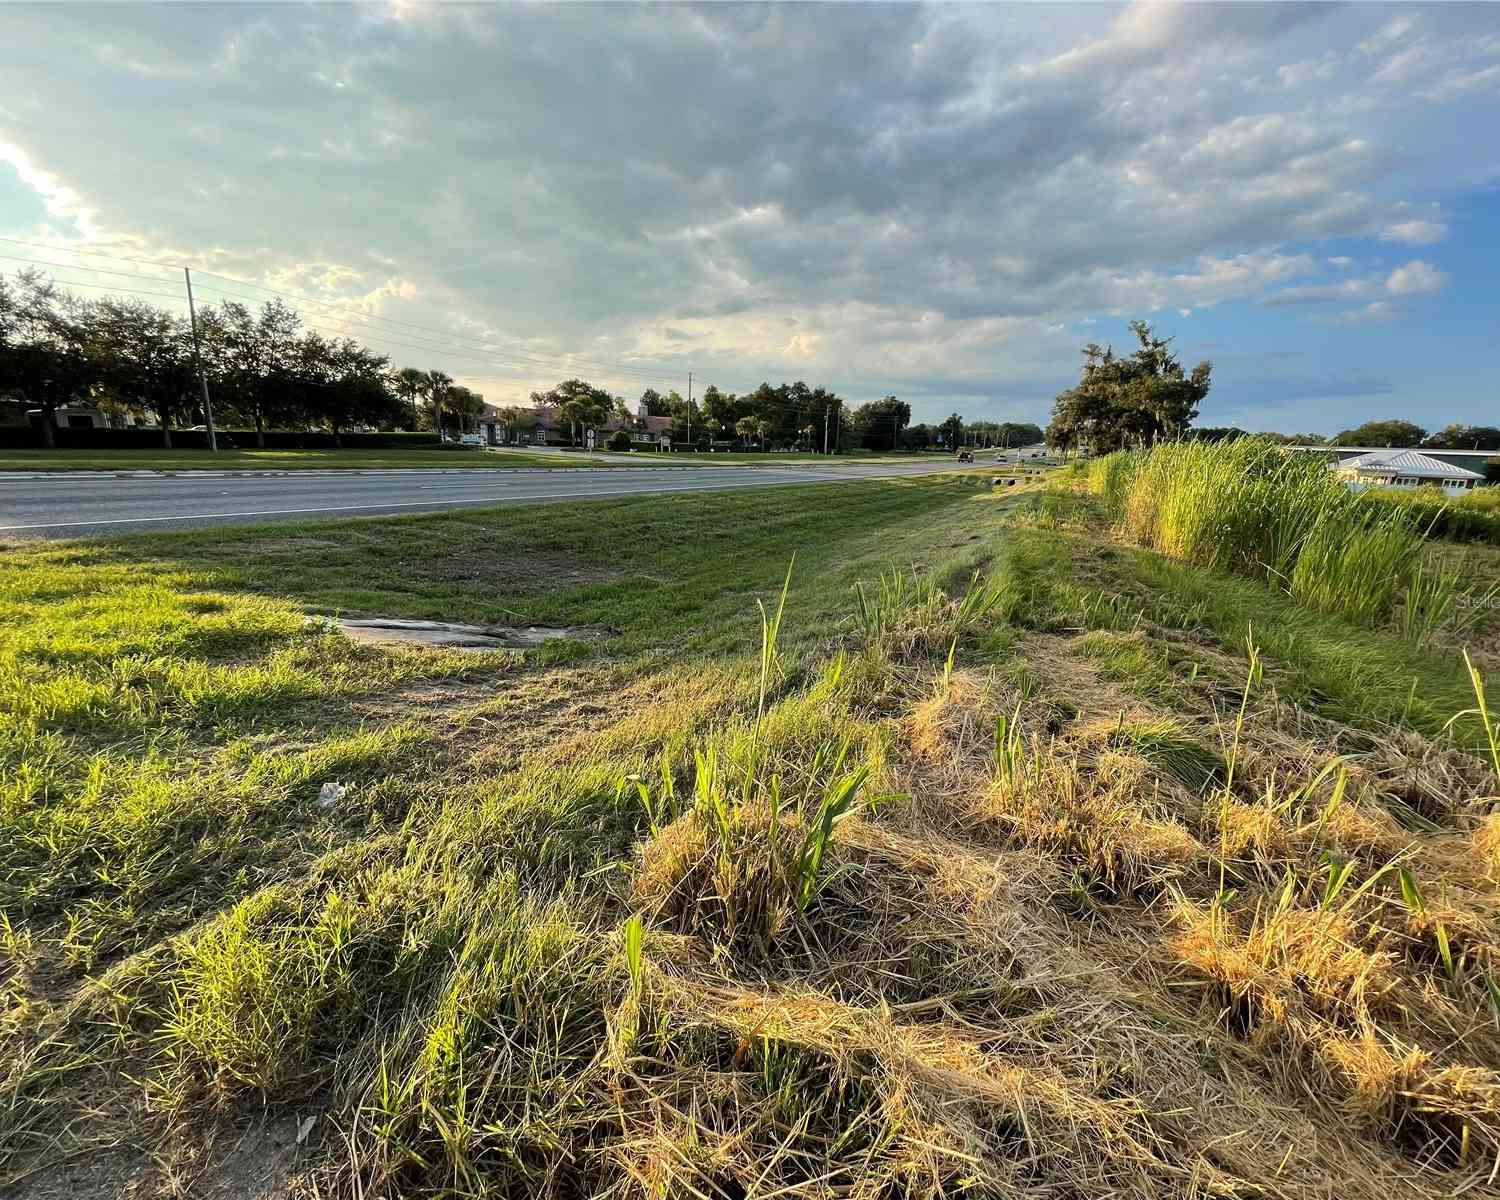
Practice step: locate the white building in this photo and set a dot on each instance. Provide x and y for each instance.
(1404, 469)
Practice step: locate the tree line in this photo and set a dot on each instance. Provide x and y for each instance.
(1388, 433)
(788, 416)
(125, 356)
(266, 370)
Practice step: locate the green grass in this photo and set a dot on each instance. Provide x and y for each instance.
(1472, 516)
(668, 572)
(280, 460)
(735, 900)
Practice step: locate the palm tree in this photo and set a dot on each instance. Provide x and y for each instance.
(807, 432)
(410, 383)
(745, 427)
(438, 383)
(763, 428)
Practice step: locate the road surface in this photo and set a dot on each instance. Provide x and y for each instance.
(75, 504)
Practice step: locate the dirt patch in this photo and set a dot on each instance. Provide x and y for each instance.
(447, 635)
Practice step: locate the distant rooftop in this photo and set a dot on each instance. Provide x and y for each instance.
(1405, 462)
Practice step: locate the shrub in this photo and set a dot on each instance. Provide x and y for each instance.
(619, 440)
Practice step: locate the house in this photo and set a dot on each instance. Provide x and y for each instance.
(542, 426)
(1404, 469)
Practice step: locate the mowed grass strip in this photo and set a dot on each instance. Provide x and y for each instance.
(665, 572)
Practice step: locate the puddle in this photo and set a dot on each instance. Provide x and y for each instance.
(384, 631)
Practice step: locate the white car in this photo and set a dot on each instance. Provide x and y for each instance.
(472, 439)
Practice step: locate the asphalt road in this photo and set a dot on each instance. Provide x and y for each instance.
(79, 505)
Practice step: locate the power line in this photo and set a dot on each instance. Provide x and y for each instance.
(542, 359)
(147, 262)
(463, 357)
(367, 319)
(74, 267)
(114, 287)
(451, 342)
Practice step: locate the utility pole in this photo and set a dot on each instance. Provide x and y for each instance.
(690, 413)
(825, 429)
(208, 408)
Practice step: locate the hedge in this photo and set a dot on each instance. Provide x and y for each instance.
(21, 437)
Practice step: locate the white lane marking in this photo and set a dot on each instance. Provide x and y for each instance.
(276, 512)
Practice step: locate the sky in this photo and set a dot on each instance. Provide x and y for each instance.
(941, 202)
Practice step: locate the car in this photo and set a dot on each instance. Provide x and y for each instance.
(472, 439)
(966, 456)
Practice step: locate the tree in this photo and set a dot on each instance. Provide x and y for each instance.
(580, 404)
(723, 407)
(438, 383)
(654, 404)
(918, 437)
(1011, 434)
(1464, 437)
(1382, 433)
(880, 422)
(256, 362)
(43, 359)
(142, 355)
(952, 431)
(410, 384)
(1134, 401)
(805, 435)
(467, 405)
(517, 420)
(348, 385)
(1209, 433)
(745, 427)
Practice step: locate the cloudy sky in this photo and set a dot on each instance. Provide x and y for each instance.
(943, 202)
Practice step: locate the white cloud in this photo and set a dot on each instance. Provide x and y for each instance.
(1309, 70)
(1393, 31)
(1415, 233)
(1415, 278)
(1376, 310)
(1457, 82)
(1317, 293)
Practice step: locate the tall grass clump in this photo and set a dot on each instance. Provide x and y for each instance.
(1110, 477)
(1249, 507)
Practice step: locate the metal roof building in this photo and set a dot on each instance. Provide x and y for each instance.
(1405, 468)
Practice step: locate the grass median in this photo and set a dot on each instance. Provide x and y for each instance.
(898, 838)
